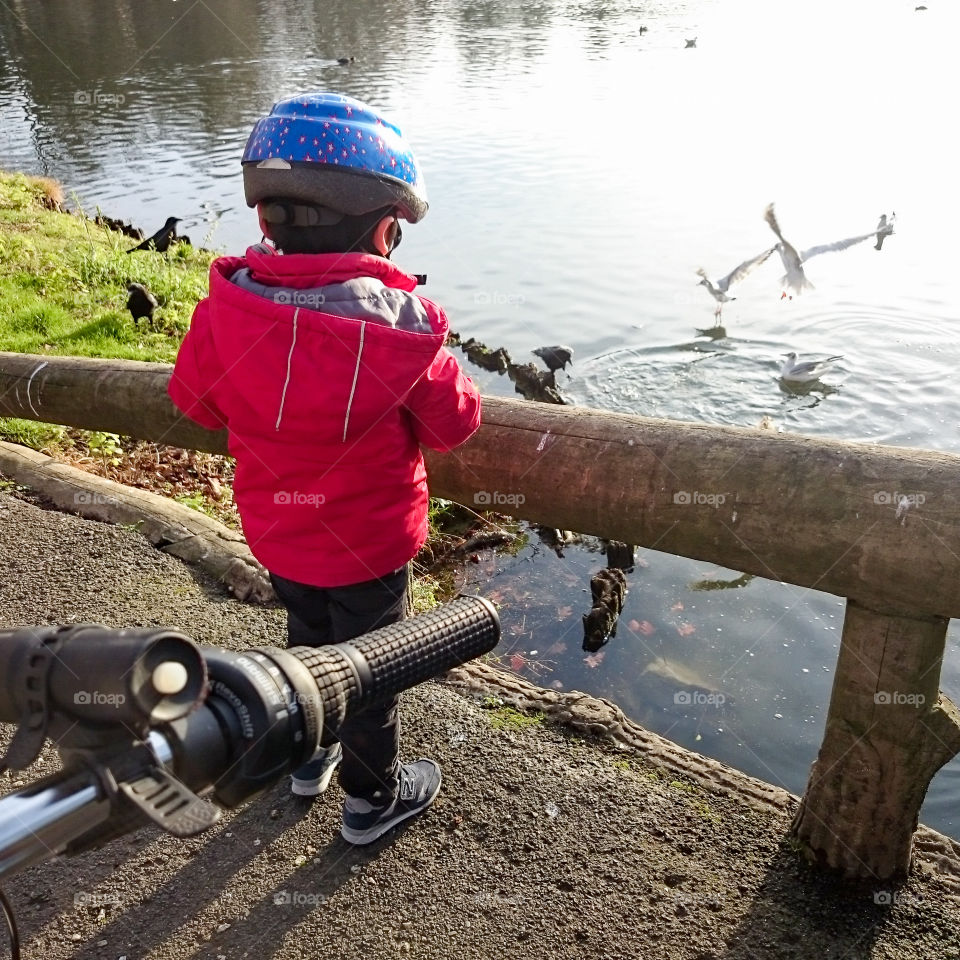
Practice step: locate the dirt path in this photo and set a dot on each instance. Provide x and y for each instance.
(541, 843)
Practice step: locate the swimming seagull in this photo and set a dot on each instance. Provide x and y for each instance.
(795, 279)
(719, 289)
(806, 371)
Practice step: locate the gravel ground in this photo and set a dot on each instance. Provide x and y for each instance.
(540, 843)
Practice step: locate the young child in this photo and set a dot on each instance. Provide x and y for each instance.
(329, 372)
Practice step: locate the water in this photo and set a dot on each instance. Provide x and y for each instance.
(579, 172)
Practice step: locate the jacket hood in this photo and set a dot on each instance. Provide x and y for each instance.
(313, 370)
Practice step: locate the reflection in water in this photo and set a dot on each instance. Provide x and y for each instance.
(581, 164)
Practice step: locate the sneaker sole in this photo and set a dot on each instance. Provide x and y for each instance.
(360, 838)
(313, 788)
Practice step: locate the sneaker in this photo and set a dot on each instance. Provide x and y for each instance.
(314, 777)
(363, 822)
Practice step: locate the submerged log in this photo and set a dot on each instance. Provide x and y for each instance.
(878, 524)
(889, 730)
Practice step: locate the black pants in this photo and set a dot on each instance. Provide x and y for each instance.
(322, 615)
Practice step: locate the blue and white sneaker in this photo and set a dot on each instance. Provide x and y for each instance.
(314, 777)
(363, 822)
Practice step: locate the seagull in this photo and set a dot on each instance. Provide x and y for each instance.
(884, 228)
(556, 357)
(141, 302)
(161, 239)
(719, 289)
(690, 43)
(795, 279)
(806, 371)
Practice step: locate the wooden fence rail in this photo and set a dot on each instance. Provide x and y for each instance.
(877, 525)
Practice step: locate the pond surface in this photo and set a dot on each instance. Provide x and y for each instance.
(580, 169)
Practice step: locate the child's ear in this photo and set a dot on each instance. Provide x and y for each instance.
(386, 234)
(264, 226)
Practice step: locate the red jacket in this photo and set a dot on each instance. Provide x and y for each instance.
(325, 413)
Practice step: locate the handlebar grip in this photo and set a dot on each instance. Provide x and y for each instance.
(391, 659)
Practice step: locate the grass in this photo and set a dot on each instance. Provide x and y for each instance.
(63, 282)
(507, 718)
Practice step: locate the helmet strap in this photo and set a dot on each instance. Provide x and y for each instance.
(292, 214)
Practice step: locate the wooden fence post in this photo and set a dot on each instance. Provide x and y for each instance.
(888, 732)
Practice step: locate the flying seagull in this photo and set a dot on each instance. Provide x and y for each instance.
(884, 229)
(795, 279)
(162, 239)
(690, 44)
(719, 289)
(805, 371)
(556, 357)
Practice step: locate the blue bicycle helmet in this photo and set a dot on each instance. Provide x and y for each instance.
(332, 151)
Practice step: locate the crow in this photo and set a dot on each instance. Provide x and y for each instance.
(161, 240)
(141, 302)
(556, 357)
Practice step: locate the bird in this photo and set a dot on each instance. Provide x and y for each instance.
(690, 43)
(641, 29)
(141, 302)
(556, 357)
(795, 279)
(161, 240)
(884, 228)
(719, 289)
(806, 371)
(343, 61)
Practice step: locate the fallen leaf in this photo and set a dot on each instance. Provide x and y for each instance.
(517, 662)
(685, 629)
(594, 660)
(642, 626)
(676, 607)
(558, 647)
(564, 612)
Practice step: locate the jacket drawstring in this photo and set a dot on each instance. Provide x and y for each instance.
(353, 386)
(286, 383)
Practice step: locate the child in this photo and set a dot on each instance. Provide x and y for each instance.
(329, 372)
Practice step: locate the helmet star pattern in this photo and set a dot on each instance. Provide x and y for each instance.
(290, 132)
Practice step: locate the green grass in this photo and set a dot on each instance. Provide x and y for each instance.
(507, 718)
(63, 282)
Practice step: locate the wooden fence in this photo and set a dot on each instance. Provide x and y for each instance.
(879, 526)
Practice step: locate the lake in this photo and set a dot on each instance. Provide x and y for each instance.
(582, 162)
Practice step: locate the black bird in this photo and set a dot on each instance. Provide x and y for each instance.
(343, 61)
(141, 302)
(162, 239)
(556, 357)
